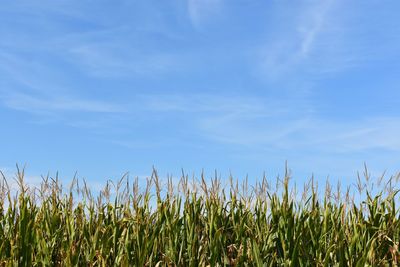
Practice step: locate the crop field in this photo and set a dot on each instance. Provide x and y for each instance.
(199, 222)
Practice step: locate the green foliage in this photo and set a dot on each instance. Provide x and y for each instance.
(196, 224)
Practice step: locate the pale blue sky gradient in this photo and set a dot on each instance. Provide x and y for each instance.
(105, 87)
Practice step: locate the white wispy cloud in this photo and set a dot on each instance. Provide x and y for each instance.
(232, 119)
(293, 47)
(363, 134)
(118, 59)
(36, 87)
(200, 10)
(203, 102)
(304, 133)
(100, 46)
(268, 123)
(315, 24)
(36, 104)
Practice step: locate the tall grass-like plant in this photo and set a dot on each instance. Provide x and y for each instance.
(199, 223)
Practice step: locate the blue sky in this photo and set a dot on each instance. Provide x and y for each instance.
(105, 87)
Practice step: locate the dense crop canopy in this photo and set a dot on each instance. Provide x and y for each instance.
(195, 223)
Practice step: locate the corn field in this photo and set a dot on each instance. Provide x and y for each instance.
(199, 222)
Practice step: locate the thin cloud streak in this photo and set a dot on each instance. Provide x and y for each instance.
(304, 133)
(114, 60)
(309, 34)
(197, 103)
(248, 122)
(35, 104)
(287, 52)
